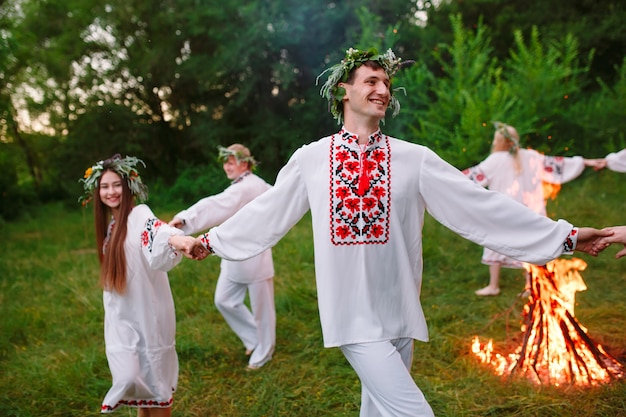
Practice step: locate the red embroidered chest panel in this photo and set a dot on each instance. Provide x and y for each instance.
(360, 190)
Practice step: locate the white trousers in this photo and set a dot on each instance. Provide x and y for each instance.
(256, 328)
(387, 387)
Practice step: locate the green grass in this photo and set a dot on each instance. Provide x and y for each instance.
(52, 360)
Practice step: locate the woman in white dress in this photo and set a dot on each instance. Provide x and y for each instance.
(135, 250)
(520, 174)
(616, 161)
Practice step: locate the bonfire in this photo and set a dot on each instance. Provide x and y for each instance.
(556, 348)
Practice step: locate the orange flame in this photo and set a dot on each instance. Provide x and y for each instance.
(550, 191)
(556, 348)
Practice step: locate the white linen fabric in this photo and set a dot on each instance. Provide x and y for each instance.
(140, 325)
(214, 210)
(616, 161)
(368, 239)
(255, 327)
(497, 172)
(388, 390)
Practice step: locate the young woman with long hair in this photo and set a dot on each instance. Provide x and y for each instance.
(135, 250)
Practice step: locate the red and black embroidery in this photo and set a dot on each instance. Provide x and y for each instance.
(477, 175)
(110, 228)
(570, 241)
(204, 239)
(555, 166)
(240, 178)
(137, 403)
(359, 190)
(150, 231)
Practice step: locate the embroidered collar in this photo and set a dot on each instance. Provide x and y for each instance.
(240, 178)
(108, 235)
(374, 138)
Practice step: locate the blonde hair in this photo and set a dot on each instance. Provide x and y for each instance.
(506, 138)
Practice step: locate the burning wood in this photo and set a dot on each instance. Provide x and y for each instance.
(555, 348)
(550, 190)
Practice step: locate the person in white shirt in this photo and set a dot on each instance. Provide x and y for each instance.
(257, 328)
(616, 161)
(368, 194)
(520, 174)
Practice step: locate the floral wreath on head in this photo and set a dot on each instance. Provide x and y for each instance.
(124, 167)
(341, 72)
(502, 128)
(240, 155)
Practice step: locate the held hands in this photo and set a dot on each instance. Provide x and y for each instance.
(597, 164)
(189, 246)
(198, 249)
(591, 240)
(178, 223)
(617, 234)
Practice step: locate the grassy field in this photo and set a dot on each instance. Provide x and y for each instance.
(52, 360)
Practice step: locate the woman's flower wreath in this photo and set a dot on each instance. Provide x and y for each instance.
(340, 73)
(503, 129)
(124, 167)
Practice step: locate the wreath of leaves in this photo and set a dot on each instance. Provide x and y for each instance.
(124, 167)
(341, 72)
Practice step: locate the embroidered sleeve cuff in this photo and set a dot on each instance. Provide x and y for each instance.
(570, 242)
(204, 239)
(173, 252)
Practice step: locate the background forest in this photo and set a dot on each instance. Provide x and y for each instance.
(168, 81)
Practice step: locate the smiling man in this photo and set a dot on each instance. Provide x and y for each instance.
(368, 193)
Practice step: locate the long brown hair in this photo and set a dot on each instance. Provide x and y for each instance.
(113, 257)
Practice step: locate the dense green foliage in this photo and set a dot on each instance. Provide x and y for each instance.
(52, 360)
(169, 81)
(598, 25)
(451, 110)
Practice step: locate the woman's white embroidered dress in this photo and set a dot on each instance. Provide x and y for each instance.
(368, 239)
(498, 173)
(140, 325)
